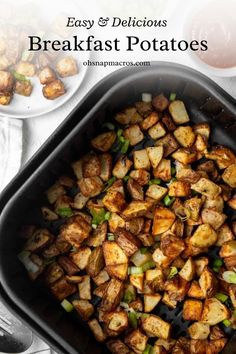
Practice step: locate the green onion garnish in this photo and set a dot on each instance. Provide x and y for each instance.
(109, 126)
(135, 270)
(125, 146)
(111, 237)
(148, 349)
(107, 215)
(119, 133)
(99, 216)
(227, 323)
(148, 265)
(67, 305)
(173, 171)
(221, 297)
(168, 200)
(126, 178)
(133, 321)
(143, 250)
(110, 182)
(129, 296)
(218, 262)
(173, 272)
(172, 96)
(65, 212)
(229, 276)
(154, 181)
(20, 77)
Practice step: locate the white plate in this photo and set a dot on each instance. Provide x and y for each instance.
(37, 104)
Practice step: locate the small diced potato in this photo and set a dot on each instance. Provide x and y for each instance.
(217, 345)
(155, 155)
(81, 257)
(48, 214)
(114, 201)
(128, 116)
(192, 310)
(178, 112)
(122, 167)
(156, 192)
(135, 190)
(79, 201)
(54, 192)
(228, 249)
(207, 188)
(113, 295)
(200, 144)
(188, 270)
(141, 159)
(116, 321)
(163, 170)
(137, 341)
(150, 301)
(202, 129)
(168, 301)
(135, 226)
(146, 239)
(208, 282)
(25, 68)
(229, 175)
(97, 330)
(106, 166)
(116, 346)
(77, 167)
(137, 208)
(91, 165)
(171, 245)
(69, 267)
(214, 312)
(185, 136)
(141, 176)
(101, 278)
(199, 330)
(75, 230)
(213, 218)
(5, 98)
(179, 189)
(54, 90)
(119, 271)
(98, 236)
(169, 144)
(128, 242)
(104, 141)
(161, 260)
(185, 156)
(157, 131)
(46, 75)
(67, 67)
(95, 262)
(85, 288)
(216, 203)
(223, 156)
(154, 326)
(84, 308)
(200, 264)
(113, 253)
(204, 236)
(61, 289)
(160, 102)
(137, 280)
(23, 88)
(133, 134)
(144, 109)
(195, 291)
(90, 186)
(149, 121)
(186, 174)
(224, 234)
(100, 290)
(193, 205)
(163, 220)
(115, 222)
(232, 202)
(39, 239)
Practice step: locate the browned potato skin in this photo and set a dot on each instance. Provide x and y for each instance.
(168, 122)
(23, 88)
(69, 267)
(61, 289)
(90, 186)
(163, 220)
(113, 295)
(136, 340)
(6, 81)
(154, 326)
(104, 141)
(135, 189)
(66, 67)
(95, 262)
(39, 240)
(192, 310)
(169, 144)
(114, 201)
(47, 75)
(128, 242)
(84, 308)
(171, 245)
(116, 346)
(54, 90)
(149, 121)
(214, 312)
(97, 330)
(160, 103)
(5, 98)
(76, 230)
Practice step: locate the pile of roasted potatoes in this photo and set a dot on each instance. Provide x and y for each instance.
(144, 224)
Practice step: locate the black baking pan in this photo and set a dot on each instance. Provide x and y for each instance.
(205, 101)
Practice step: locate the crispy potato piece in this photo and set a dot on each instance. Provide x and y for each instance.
(116, 346)
(188, 270)
(213, 218)
(91, 165)
(232, 202)
(185, 136)
(69, 267)
(77, 168)
(195, 291)
(163, 170)
(115, 222)
(187, 175)
(23, 88)
(106, 166)
(192, 310)
(154, 326)
(129, 115)
(97, 330)
(40, 239)
(228, 249)
(216, 333)
(116, 321)
(53, 273)
(135, 190)
(133, 134)
(150, 301)
(163, 343)
(149, 121)
(200, 264)
(136, 209)
(194, 206)
(100, 290)
(204, 236)
(216, 346)
(199, 330)
(230, 262)
(214, 312)
(95, 262)
(163, 220)
(216, 204)
(160, 102)
(113, 295)
(155, 155)
(85, 288)
(198, 346)
(66, 66)
(232, 294)
(137, 280)
(79, 201)
(62, 289)
(184, 156)
(207, 188)
(141, 159)
(137, 341)
(157, 131)
(119, 271)
(200, 144)
(98, 236)
(91, 186)
(75, 230)
(229, 175)
(171, 245)
(156, 192)
(54, 90)
(54, 192)
(25, 68)
(114, 201)
(169, 144)
(223, 156)
(178, 112)
(5, 98)
(47, 75)
(84, 308)
(104, 141)
(74, 279)
(177, 287)
(146, 239)
(202, 129)
(122, 167)
(113, 253)
(135, 226)
(128, 242)
(141, 176)
(179, 189)
(168, 123)
(101, 278)
(168, 301)
(161, 260)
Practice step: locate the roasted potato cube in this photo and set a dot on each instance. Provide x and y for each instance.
(116, 321)
(146, 239)
(115, 222)
(74, 279)
(91, 165)
(114, 201)
(169, 144)
(208, 282)
(84, 308)
(141, 159)
(128, 116)
(54, 90)
(128, 242)
(230, 262)
(25, 68)
(204, 236)
(213, 218)
(232, 202)
(48, 214)
(178, 112)
(228, 249)
(177, 287)
(54, 192)
(188, 270)
(143, 108)
(194, 206)
(135, 190)
(95, 262)
(154, 326)
(216, 346)
(207, 188)
(179, 189)
(155, 155)
(137, 208)
(116, 346)
(150, 301)
(101, 278)
(119, 271)
(198, 346)
(79, 201)
(81, 257)
(46, 75)
(85, 288)
(149, 121)
(137, 280)
(122, 167)
(157, 131)
(163, 170)
(5, 98)
(104, 141)
(195, 291)
(171, 245)
(202, 129)
(216, 204)
(199, 330)
(168, 301)
(75, 230)
(200, 144)
(97, 330)
(192, 310)
(200, 264)
(133, 134)
(113, 295)
(91, 186)
(160, 102)
(62, 289)
(137, 341)
(77, 167)
(69, 267)
(214, 312)
(187, 175)
(224, 234)
(162, 260)
(141, 176)
(113, 253)
(229, 175)
(156, 192)
(40, 239)
(185, 136)
(168, 123)
(223, 156)
(6, 82)
(184, 156)
(135, 226)
(163, 220)
(53, 273)
(98, 236)
(106, 166)
(67, 67)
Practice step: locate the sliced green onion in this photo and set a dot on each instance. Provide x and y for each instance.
(133, 321)
(99, 215)
(173, 171)
(194, 192)
(227, 323)
(119, 133)
(173, 272)
(218, 262)
(65, 212)
(109, 126)
(30, 266)
(221, 297)
(148, 265)
(143, 250)
(154, 181)
(172, 96)
(129, 296)
(126, 178)
(67, 305)
(107, 215)
(135, 270)
(146, 97)
(229, 276)
(148, 349)
(125, 146)
(94, 226)
(110, 182)
(111, 237)
(20, 77)
(168, 200)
